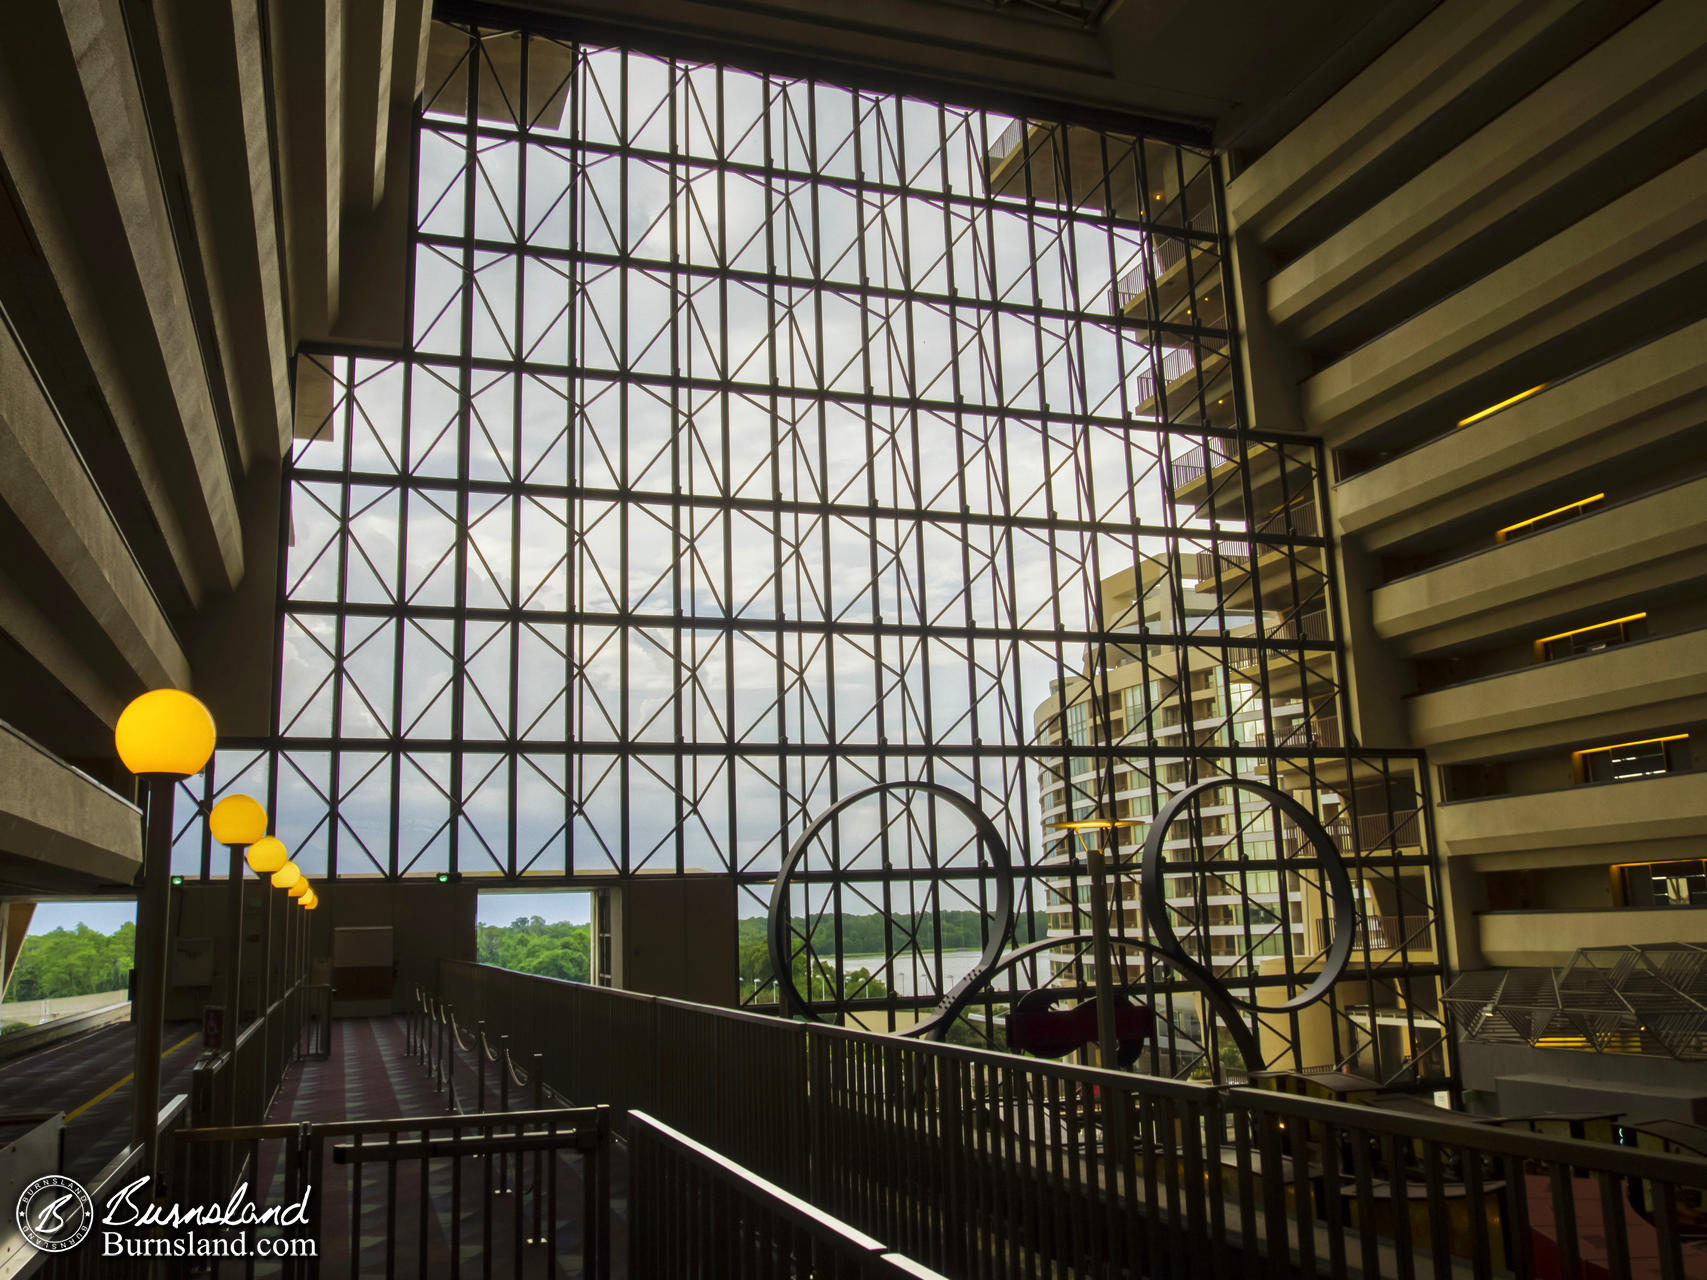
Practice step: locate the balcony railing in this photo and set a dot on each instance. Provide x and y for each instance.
(1380, 830)
(1296, 520)
(1007, 141)
(1375, 831)
(1322, 731)
(1166, 253)
(1312, 626)
(1383, 933)
(1198, 462)
(989, 1164)
(1176, 365)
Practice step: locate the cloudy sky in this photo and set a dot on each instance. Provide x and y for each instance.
(743, 476)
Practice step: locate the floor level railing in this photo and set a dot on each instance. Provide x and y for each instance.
(417, 1195)
(697, 1214)
(980, 1163)
(90, 1261)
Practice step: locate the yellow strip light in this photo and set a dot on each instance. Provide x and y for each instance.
(1619, 746)
(1500, 534)
(1503, 404)
(1596, 626)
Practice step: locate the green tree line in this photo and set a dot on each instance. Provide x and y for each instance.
(70, 962)
(530, 945)
(861, 936)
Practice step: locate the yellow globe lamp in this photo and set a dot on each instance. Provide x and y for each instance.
(286, 876)
(309, 900)
(267, 855)
(298, 889)
(237, 820)
(165, 733)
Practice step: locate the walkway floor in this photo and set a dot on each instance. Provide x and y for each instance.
(89, 1079)
(441, 1219)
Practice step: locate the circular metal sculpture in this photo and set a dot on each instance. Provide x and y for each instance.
(989, 836)
(1166, 949)
(1214, 995)
(1151, 897)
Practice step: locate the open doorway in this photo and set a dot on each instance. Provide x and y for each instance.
(64, 959)
(535, 932)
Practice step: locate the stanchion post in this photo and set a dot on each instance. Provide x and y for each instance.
(503, 1105)
(480, 1065)
(536, 1062)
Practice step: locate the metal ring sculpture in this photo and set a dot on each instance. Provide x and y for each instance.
(1167, 949)
(988, 834)
(1152, 902)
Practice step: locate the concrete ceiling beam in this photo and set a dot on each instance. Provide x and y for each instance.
(1465, 61)
(409, 53)
(1493, 338)
(59, 827)
(1596, 128)
(370, 43)
(48, 491)
(223, 130)
(308, 72)
(92, 209)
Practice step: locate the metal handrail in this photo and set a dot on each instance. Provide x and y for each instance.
(348, 1128)
(117, 1172)
(311, 1157)
(970, 1160)
(675, 1175)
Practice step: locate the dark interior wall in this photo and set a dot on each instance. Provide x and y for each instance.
(428, 920)
(676, 937)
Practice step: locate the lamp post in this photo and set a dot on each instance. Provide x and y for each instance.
(284, 878)
(1101, 951)
(299, 942)
(162, 737)
(308, 901)
(266, 856)
(237, 822)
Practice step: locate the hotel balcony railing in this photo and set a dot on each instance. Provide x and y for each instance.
(1312, 625)
(1323, 731)
(991, 1164)
(1384, 933)
(1374, 831)
(1007, 141)
(1379, 830)
(1166, 254)
(1198, 462)
(1297, 520)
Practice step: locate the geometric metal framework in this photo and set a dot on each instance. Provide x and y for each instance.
(1644, 999)
(1212, 997)
(761, 439)
(1078, 13)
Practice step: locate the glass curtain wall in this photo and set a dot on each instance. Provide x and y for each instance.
(760, 439)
